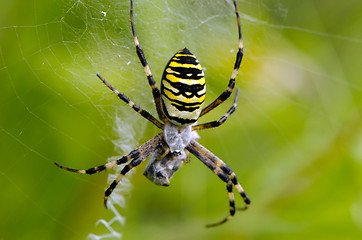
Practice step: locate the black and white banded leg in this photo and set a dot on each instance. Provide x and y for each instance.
(215, 169)
(222, 119)
(239, 57)
(226, 169)
(136, 157)
(155, 91)
(224, 173)
(139, 110)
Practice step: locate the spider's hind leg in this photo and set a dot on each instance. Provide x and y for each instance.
(139, 110)
(155, 91)
(239, 57)
(222, 119)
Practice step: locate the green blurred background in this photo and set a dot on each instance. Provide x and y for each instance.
(295, 141)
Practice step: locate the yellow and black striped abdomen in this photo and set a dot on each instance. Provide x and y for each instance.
(183, 88)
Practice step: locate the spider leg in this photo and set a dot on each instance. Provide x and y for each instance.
(224, 173)
(239, 56)
(219, 163)
(137, 156)
(139, 110)
(223, 176)
(222, 119)
(100, 168)
(155, 91)
(134, 163)
(145, 150)
(229, 188)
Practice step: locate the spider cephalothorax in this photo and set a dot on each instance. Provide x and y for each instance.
(179, 106)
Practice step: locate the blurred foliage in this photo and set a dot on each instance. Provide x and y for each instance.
(295, 141)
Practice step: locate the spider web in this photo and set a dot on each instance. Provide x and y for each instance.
(296, 110)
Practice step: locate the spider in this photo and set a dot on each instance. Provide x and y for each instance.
(179, 105)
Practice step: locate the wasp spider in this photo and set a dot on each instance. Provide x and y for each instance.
(179, 106)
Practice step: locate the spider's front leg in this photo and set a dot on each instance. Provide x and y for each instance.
(137, 156)
(224, 173)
